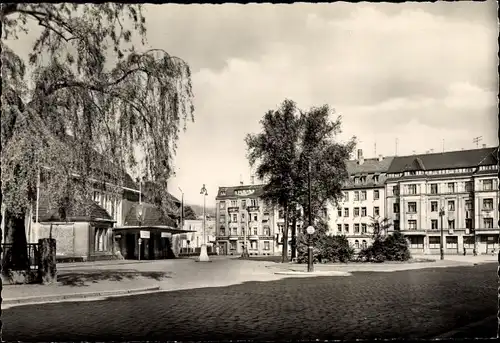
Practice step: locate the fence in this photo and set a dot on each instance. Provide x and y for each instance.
(32, 252)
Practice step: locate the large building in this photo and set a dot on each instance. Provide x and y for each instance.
(192, 241)
(238, 210)
(363, 201)
(456, 191)
(419, 194)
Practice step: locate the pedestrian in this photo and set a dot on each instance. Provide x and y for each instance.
(465, 251)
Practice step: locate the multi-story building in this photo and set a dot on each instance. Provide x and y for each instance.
(195, 237)
(240, 209)
(456, 191)
(363, 203)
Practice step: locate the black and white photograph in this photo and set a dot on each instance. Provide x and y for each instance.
(253, 172)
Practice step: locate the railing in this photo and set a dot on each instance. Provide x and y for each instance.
(32, 251)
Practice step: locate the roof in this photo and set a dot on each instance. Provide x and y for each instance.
(152, 217)
(242, 191)
(446, 160)
(83, 211)
(369, 166)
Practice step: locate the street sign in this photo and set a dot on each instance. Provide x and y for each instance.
(145, 234)
(310, 229)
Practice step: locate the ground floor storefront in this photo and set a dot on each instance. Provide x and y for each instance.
(453, 244)
(263, 246)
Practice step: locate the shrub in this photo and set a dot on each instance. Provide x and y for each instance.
(393, 247)
(325, 249)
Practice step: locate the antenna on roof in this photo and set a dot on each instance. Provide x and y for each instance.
(477, 140)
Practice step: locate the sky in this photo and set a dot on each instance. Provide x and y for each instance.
(422, 74)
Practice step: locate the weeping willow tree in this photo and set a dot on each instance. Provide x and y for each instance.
(88, 102)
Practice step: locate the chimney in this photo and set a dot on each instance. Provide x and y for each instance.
(361, 160)
(380, 157)
(241, 180)
(484, 146)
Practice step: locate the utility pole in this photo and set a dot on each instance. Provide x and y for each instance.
(441, 245)
(310, 265)
(477, 140)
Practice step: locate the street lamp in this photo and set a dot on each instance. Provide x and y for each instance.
(203, 251)
(441, 245)
(310, 229)
(140, 214)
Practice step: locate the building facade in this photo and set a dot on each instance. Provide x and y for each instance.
(192, 241)
(363, 203)
(240, 211)
(454, 191)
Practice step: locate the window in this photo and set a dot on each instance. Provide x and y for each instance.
(469, 242)
(222, 218)
(255, 217)
(243, 231)
(468, 224)
(255, 231)
(363, 179)
(346, 212)
(254, 202)
(356, 196)
(356, 228)
(267, 231)
(346, 228)
(451, 205)
(376, 211)
(375, 178)
(434, 206)
(451, 242)
(396, 225)
(356, 244)
(395, 190)
(363, 195)
(376, 195)
(267, 246)
(469, 186)
(339, 227)
(222, 231)
(233, 245)
(434, 188)
(412, 207)
(412, 189)
(451, 187)
(416, 242)
(346, 196)
(253, 245)
(339, 212)
(363, 244)
(487, 185)
(434, 242)
(356, 211)
(281, 214)
(243, 217)
(434, 224)
(488, 223)
(487, 204)
(468, 205)
(235, 231)
(412, 224)
(363, 228)
(243, 204)
(356, 180)
(100, 239)
(363, 211)
(395, 208)
(234, 203)
(451, 224)
(234, 217)
(222, 205)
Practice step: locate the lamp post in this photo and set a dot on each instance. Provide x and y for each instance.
(310, 229)
(140, 213)
(203, 251)
(441, 245)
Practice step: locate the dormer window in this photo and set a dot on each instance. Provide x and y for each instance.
(375, 178)
(356, 180)
(222, 192)
(363, 179)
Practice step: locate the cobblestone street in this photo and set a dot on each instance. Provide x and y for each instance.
(407, 304)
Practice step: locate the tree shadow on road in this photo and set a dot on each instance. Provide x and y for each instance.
(80, 278)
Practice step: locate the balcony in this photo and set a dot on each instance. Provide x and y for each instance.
(233, 209)
(254, 238)
(253, 208)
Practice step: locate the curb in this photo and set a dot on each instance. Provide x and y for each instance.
(318, 273)
(75, 265)
(452, 333)
(75, 296)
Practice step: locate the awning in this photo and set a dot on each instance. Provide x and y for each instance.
(158, 229)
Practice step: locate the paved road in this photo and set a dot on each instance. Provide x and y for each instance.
(406, 304)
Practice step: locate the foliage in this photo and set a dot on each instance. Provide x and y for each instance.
(326, 248)
(189, 213)
(393, 247)
(91, 92)
(296, 147)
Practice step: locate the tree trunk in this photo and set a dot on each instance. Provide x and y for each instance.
(284, 255)
(294, 236)
(16, 257)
